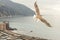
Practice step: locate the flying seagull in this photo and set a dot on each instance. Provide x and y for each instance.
(38, 16)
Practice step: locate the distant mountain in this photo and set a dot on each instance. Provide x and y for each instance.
(6, 11)
(8, 8)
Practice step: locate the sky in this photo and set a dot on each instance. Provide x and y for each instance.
(46, 6)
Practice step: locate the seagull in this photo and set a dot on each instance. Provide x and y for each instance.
(38, 16)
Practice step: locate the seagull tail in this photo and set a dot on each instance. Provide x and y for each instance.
(35, 19)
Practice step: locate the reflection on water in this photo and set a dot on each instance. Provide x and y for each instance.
(26, 24)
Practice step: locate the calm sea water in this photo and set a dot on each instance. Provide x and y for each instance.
(26, 24)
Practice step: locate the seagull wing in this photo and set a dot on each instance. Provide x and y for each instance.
(36, 8)
(44, 21)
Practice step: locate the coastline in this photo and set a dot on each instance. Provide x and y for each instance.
(16, 36)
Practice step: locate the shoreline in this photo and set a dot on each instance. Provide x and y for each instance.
(16, 36)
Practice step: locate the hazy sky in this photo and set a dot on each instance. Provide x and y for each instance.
(46, 6)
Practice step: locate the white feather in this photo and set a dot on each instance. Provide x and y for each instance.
(35, 19)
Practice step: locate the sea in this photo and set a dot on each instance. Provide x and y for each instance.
(27, 25)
